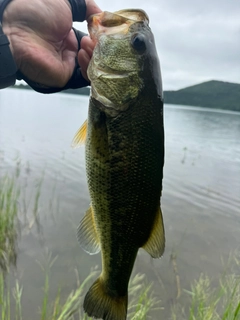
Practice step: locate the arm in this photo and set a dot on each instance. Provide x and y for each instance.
(44, 46)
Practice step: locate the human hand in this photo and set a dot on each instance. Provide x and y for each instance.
(42, 41)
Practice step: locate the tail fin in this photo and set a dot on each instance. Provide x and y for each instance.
(99, 304)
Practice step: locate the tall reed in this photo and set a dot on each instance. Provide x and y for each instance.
(9, 195)
(209, 301)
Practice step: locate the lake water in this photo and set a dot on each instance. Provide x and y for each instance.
(200, 201)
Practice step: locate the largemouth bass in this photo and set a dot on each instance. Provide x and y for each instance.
(124, 156)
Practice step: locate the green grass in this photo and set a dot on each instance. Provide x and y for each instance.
(204, 301)
(209, 301)
(9, 195)
(18, 213)
(142, 300)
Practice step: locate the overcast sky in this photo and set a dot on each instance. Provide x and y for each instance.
(196, 40)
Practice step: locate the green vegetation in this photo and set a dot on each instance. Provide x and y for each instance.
(212, 302)
(9, 194)
(141, 301)
(210, 94)
(141, 297)
(12, 223)
(205, 300)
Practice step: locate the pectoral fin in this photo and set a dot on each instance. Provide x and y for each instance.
(80, 136)
(156, 242)
(87, 233)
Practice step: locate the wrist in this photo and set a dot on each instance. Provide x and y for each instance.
(79, 10)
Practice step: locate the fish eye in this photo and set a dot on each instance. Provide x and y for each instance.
(138, 42)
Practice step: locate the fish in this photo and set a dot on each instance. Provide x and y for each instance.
(124, 153)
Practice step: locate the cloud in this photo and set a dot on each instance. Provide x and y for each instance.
(196, 40)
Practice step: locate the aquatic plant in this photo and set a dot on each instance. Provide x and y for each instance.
(142, 300)
(141, 296)
(211, 302)
(9, 194)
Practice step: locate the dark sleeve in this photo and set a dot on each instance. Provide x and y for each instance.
(8, 67)
(79, 10)
(76, 80)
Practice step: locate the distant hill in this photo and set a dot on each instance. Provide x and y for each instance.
(84, 91)
(210, 94)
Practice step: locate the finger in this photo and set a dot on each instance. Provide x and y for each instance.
(83, 60)
(92, 8)
(85, 54)
(88, 45)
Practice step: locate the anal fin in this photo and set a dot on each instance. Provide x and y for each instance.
(155, 244)
(87, 234)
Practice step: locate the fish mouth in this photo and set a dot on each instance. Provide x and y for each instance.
(116, 22)
(133, 14)
(114, 84)
(108, 71)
